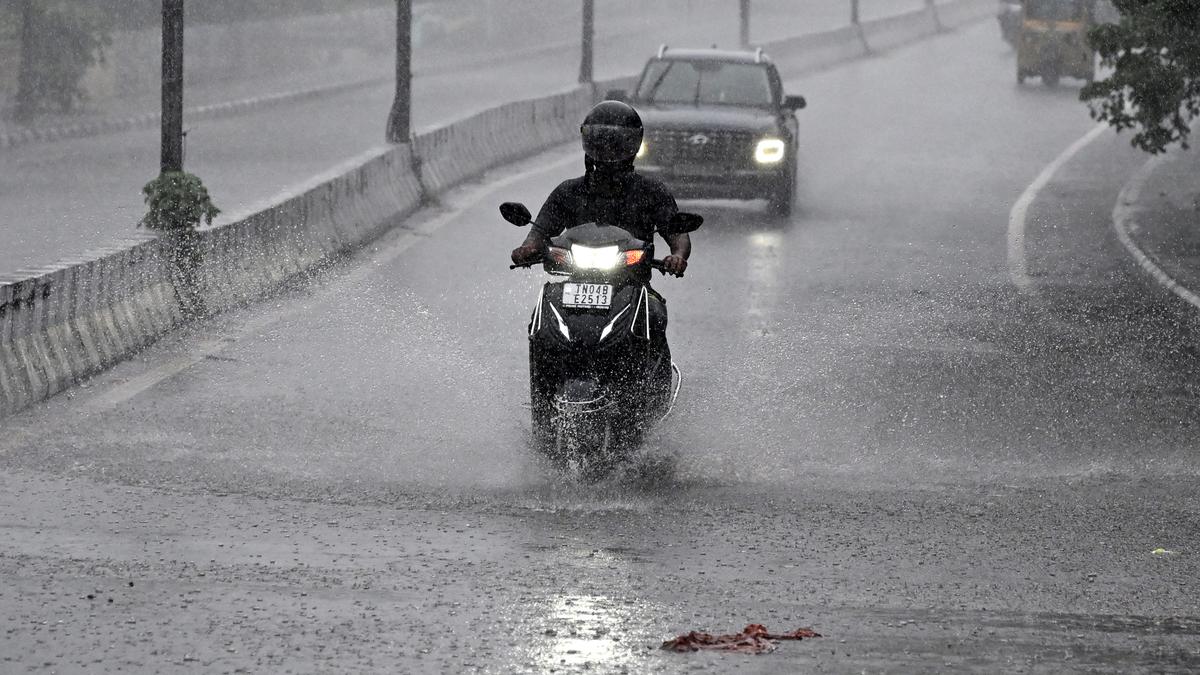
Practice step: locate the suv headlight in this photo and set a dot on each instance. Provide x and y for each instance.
(769, 151)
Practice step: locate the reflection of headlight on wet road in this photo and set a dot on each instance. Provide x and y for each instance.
(587, 626)
(586, 630)
(769, 151)
(765, 242)
(765, 258)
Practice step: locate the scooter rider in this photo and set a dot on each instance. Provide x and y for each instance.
(610, 192)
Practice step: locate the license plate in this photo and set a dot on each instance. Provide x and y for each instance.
(590, 296)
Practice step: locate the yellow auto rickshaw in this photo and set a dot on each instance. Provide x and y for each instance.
(1053, 40)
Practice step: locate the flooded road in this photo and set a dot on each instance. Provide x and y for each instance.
(879, 436)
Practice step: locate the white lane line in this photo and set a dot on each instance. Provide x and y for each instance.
(1017, 270)
(111, 397)
(1124, 221)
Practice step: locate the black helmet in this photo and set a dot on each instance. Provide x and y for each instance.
(612, 132)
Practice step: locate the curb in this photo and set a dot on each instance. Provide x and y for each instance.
(204, 112)
(1124, 221)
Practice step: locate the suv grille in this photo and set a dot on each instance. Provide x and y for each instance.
(720, 148)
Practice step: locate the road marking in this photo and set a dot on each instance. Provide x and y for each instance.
(111, 397)
(1017, 270)
(1123, 220)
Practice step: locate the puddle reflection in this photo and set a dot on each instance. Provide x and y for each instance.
(764, 264)
(583, 630)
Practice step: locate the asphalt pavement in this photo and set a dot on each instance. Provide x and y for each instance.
(879, 436)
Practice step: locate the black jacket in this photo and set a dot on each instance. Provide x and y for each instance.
(628, 200)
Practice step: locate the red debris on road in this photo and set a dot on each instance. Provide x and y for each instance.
(754, 639)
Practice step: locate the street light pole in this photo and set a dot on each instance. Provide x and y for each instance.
(588, 42)
(172, 86)
(854, 12)
(932, 9)
(744, 22)
(25, 95)
(399, 125)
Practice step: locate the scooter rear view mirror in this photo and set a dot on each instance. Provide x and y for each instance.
(683, 223)
(516, 213)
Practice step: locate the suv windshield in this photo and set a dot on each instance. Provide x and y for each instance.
(705, 82)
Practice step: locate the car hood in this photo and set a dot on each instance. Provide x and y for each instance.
(695, 118)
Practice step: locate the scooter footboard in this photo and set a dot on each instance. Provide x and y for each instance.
(579, 375)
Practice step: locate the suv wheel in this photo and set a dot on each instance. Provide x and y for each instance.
(783, 197)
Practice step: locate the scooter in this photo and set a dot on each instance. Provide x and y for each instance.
(600, 369)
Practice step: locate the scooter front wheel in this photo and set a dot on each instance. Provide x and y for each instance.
(587, 448)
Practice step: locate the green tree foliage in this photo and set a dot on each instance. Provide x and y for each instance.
(59, 41)
(1155, 85)
(177, 201)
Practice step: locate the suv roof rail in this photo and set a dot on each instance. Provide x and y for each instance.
(662, 50)
(758, 55)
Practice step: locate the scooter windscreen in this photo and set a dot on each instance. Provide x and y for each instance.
(596, 251)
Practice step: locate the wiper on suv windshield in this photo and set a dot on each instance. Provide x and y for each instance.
(658, 82)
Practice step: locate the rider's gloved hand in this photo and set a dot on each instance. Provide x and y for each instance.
(526, 254)
(675, 264)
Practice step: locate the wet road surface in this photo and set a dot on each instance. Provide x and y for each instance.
(879, 436)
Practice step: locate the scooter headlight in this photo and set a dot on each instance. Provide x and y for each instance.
(769, 151)
(588, 258)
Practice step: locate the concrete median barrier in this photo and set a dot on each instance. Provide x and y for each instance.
(818, 50)
(63, 324)
(466, 148)
(962, 12)
(626, 84)
(895, 31)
